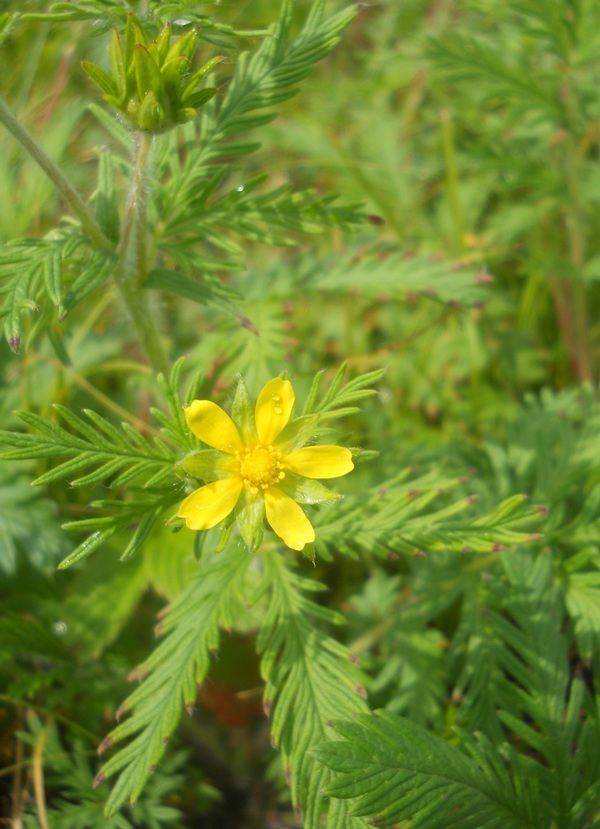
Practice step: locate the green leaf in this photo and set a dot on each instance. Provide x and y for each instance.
(195, 100)
(103, 597)
(201, 463)
(107, 210)
(172, 673)
(95, 274)
(29, 528)
(53, 275)
(397, 516)
(391, 273)
(392, 771)
(311, 679)
(183, 285)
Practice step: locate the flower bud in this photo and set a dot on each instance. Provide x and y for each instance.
(150, 82)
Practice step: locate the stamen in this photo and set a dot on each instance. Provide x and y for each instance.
(260, 467)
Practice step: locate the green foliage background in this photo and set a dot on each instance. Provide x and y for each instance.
(436, 663)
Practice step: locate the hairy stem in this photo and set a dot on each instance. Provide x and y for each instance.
(132, 267)
(67, 191)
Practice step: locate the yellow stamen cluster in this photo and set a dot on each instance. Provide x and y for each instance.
(260, 467)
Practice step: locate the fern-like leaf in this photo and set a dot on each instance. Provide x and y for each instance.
(310, 680)
(395, 771)
(397, 517)
(171, 674)
(98, 444)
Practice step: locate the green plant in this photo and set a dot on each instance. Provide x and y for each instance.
(422, 636)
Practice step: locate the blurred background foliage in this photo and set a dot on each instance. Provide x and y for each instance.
(470, 131)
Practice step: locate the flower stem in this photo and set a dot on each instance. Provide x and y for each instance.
(452, 183)
(67, 191)
(132, 267)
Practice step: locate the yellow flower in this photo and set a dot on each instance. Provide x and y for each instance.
(258, 466)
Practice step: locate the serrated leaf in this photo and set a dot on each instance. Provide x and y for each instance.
(310, 680)
(392, 770)
(172, 673)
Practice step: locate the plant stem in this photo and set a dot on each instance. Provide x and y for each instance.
(577, 245)
(575, 220)
(38, 777)
(69, 194)
(452, 184)
(132, 266)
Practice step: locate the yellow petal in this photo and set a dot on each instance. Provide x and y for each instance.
(287, 519)
(320, 461)
(210, 504)
(273, 409)
(213, 426)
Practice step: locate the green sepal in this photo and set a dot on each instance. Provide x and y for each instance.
(185, 46)
(199, 74)
(151, 115)
(117, 64)
(151, 82)
(161, 44)
(307, 490)
(133, 111)
(250, 517)
(309, 551)
(113, 101)
(206, 464)
(140, 35)
(184, 116)
(360, 455)
(225, 533)
(242, 413)
(297, 433)
(175, 523)
(129, 41)
(100, 77)
(173, 66)
(199, 541)
(171, 80)
(147, 74)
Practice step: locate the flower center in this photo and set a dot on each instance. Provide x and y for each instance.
(261, 467)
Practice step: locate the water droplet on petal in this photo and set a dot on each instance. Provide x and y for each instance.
(276, 398)
(277, 409)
